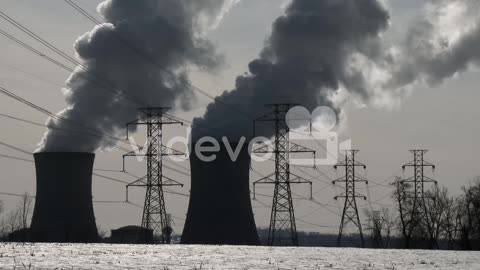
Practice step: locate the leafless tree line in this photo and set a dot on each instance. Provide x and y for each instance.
(17, 219)
(435, 221)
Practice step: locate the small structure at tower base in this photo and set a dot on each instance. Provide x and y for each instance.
(132, 235)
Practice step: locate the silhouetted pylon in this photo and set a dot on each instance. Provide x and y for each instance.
(283, 230)
(154, 212)
(350, 209)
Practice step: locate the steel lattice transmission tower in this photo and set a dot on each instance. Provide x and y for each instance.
(282, 229)
(350, 209)
(418, 181)
(154, 212)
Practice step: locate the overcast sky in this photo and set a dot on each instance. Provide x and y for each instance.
(442, 119)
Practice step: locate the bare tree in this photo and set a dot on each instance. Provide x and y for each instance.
(465, 219)
(389, 223)
(25, 208)
(475, 201)
(2, 221)
(407, 220)
(436, 204)
(12, 221)
(469, 215)
(375, 227)
(18, 218)
(452, 223)
(380, 225)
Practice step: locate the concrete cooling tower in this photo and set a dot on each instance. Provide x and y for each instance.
(63, 207)
(220, 210)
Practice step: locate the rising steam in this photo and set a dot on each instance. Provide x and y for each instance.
(440, 44)
(305, 60)
(319, 52)
(330, 52)
(169, 32)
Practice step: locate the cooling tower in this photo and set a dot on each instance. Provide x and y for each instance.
(63, 207)
(220, 211)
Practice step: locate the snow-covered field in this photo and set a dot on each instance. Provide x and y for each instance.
(103, 256)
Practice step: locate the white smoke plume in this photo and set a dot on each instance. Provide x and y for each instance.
(211, 20)
(322, 52)
(306, 59)
(441, 42)
(168, 32)
(331, 52)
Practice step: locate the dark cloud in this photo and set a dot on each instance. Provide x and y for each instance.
(164, 31)
(306, 58)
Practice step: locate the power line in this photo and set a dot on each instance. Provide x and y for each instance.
(350, 209)
(282, 229)
(323, 173)
(95, 174)
(15, 194)
(15, 158)
(92, 77)
(88, 134)
(47, 112)
(419, 213)
(297, 195)
(47, 81)
(316, 225)
(315, 177)
(96, 133)
(110, 178)
(15, 148)
(35, 51)
(322, 206)
(261, 203)
(23, 120)
(166, 190)
(169, 167)
(34, 197)
(97, 79)
(109, 170)
(151, 60)
(121, 148)
(155, 214)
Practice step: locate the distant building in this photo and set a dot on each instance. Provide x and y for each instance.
(132, 235)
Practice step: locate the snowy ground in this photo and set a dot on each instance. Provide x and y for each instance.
(103, 256)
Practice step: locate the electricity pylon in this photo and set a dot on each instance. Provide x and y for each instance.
(419, 180)
(282, 230)
(350, 209)
(154, 212)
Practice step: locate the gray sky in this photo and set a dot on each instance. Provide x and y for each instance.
(441, 118)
